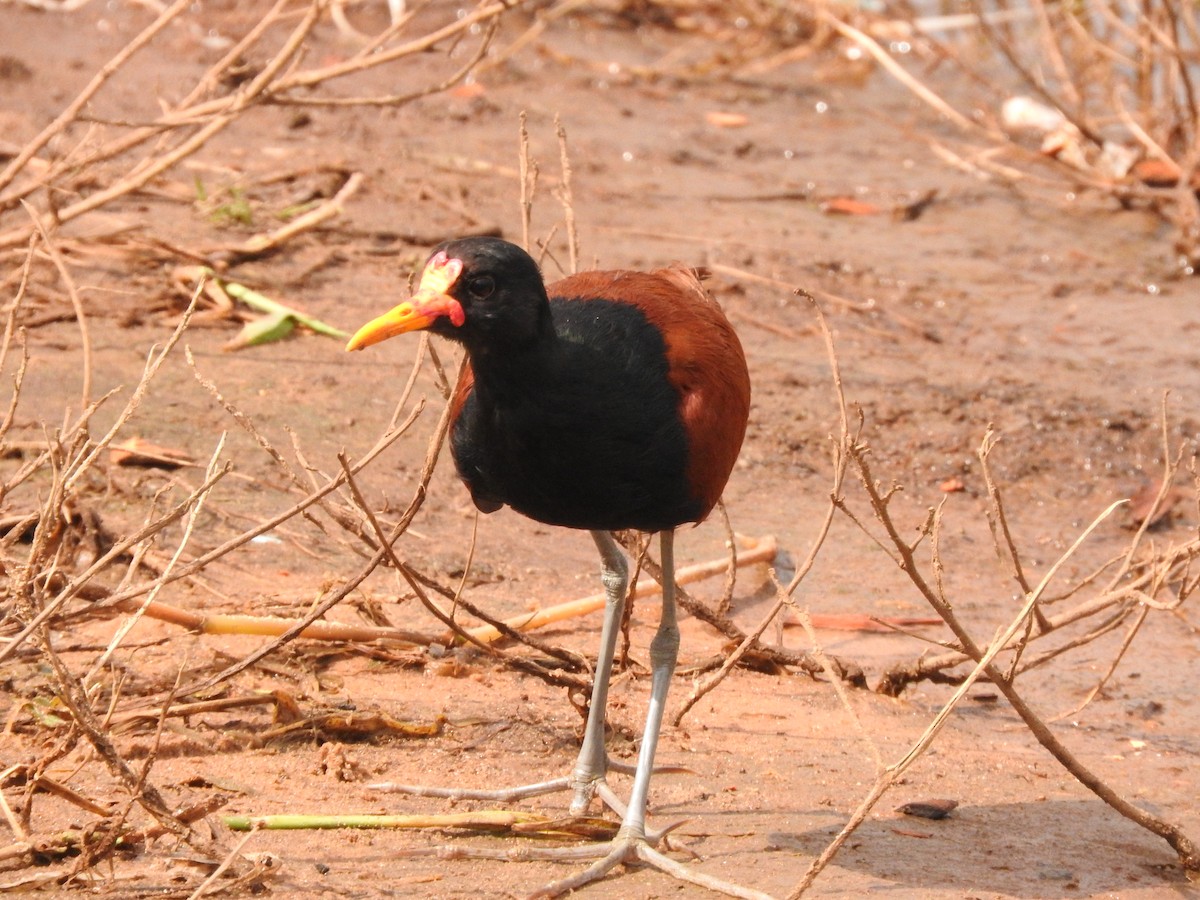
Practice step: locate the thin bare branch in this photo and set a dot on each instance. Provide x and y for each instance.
(72, 110)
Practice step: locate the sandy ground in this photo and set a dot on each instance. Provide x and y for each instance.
(1048, 313)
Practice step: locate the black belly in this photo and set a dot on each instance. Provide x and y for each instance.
(605, 449)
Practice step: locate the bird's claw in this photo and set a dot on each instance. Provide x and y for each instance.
(628, 849)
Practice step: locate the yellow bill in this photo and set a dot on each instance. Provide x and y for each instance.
(431, 302)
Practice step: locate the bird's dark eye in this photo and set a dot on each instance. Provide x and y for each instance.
(481, 286)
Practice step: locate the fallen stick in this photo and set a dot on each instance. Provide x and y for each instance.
(501, 821)
(183, 710)
(762, 550)
(862, 622)
(263, 243)
(273, 626)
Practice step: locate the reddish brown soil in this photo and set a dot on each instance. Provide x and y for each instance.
(1046, 312)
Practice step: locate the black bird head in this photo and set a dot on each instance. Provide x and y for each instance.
(480, 291)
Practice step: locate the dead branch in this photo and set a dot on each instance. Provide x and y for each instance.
(762, 551)
(70, 458)
(1112, 91)
(262, 244)
(891, 773)
(384, 552)
(847, 671)
(1130, 589)
(903, 553)
(74, 697)
(448, 620)
(76, 304)
(282, 79)
(69, 115)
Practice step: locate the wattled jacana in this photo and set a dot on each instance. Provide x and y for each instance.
(608, 400)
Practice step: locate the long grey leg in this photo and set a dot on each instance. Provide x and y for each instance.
(664, 650)
(593, 760)
(587, 778)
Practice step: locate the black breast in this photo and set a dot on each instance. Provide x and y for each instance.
(581, 430)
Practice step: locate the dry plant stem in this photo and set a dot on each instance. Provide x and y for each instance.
(468, 563)
(1033, 661)
(637, 546)
(848, 671)
(296, 629)
(1062, 72)
(891, 773)
(316, 479)
(385, 551)
(185, 114)
(1153, 148)
(1188, 851)
(764, 550)
(463, 25)
(203, 887)
(10, 327)
(68, 115)
(77, 585)
(782, 597)
(232, 544)
(198, 564)
(566, 197)
(1069, 106)
(998, 520)
(192, 114)
(897, 71)
(1138, 619)
(528, 177)
(389, 554)
(118, 823)
(270, 84)
(76, 305)
(731, 542)
(448, 620)
(1170, 467)
(839, 688)
(400, 99)
(151, 168)
(1086, 63)
(270, 626)
(544, 19)
(58, 747)
(18, 829)
(193, 515)
(750, 640)
(74, 468)
(237, 53)
(184, 710)
(50, 786)
(264, 243)
(247, 425)
(74, 697)
(930, 667)
(153, 364)
(489, 821)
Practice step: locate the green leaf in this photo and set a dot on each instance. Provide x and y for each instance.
(263, 330)
(255, 300)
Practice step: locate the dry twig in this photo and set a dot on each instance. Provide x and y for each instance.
(1114, 100)
(178, 133)
(1014, 639)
